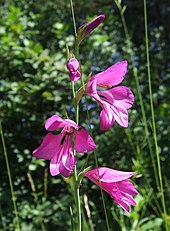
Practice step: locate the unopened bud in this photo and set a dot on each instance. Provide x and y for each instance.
(88, 27)
(73, 66)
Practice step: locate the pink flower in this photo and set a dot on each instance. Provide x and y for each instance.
(58, 147)
(116, 184)
(116, 101)
(90, 26)
(73, 66)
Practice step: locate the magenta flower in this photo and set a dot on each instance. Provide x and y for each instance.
(90, 26)
(58, 147)
(116, 184)
(114, 102)
(73, 66)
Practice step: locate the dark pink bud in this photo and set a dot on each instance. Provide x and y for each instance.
(90, 26)
(93, 24)
(73, 66)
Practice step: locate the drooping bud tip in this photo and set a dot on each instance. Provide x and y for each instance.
(86, 28)
(93, 24)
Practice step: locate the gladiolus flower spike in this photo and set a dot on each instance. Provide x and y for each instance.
(58, 147)
(115, 183)
(114, 102)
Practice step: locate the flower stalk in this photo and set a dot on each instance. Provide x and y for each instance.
(76, 185)
(10, 178)
(153, 118)
(135, 74)
(77, 198)
(76, 107)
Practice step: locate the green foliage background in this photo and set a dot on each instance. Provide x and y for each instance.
(34, 85)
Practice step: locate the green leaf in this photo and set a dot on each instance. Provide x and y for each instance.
(157, 222)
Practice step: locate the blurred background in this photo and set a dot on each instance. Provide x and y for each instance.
(34, 85)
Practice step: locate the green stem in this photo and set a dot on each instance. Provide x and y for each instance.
(72, 221)
(76, 186)
(76, 107)
(77, 120)
(33, 188)
(153, 115)
(77, 55)
(73, 17)
(77, 198)
(97, 165)
(104, 205)
(9, 177)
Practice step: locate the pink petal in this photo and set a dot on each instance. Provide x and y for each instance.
(105, 100)
(118, 100)
(56, 159)
(55, 122)
(114, 103)
(48, 148)
(128, 199)
(83, 141)
(106, 117)
(121, 198)
(90, 87)
(54, 169)
(64, 161)
(122, 204)
(127, 187)
(108, 175)
(121, 116)
(67, 165)
(122, 96)
(112, 76)
(107, 96)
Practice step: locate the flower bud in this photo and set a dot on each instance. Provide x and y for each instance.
(73, 66)
(86, 28)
